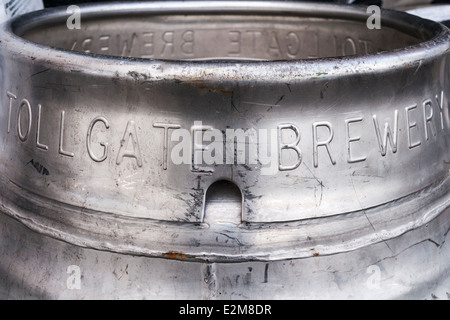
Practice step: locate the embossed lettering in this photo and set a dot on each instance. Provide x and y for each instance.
(130, 134)
(409, 126)
(274, 45)
(235, 42)
(365, 45)
(289, 146)
(324, 143)
(428, 117)
(166, 127)
(103, 144)
(24, 136)
(197, 147)
(187, 46)
(167, 38)
(314, 45)
(148, 45)
(350, 139)
(104, 43)
(349, 47)
(254, 35)
(383, 141)
(127, 45)
(86, 45)
(61, 137)
(440, 103)
(11, 97)
(293, 45)
(38, 130)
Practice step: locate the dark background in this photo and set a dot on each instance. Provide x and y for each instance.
(53, 3)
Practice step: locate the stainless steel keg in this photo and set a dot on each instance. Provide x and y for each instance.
(223, 150)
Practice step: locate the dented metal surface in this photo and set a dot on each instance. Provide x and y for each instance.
(413, 266)
(333, 140)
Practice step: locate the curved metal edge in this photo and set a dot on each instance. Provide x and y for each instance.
(412, 266)
(131, 236)
(227, 71)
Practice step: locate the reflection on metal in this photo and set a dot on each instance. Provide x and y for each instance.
(224, 150)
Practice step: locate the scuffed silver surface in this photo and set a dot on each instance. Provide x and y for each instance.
(352, 204)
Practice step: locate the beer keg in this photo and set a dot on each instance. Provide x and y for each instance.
(222, 150)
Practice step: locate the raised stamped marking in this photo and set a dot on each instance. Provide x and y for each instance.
(103, 144)
(269, 42)
(428, 117)
(167, 42)
(440, 102)
(289, 146)
(250, 147)
(125, 44)
(235, 43)
(24, 136)
(273, 48)
(39, 145)
(147, 44)
(254, 36)
(324, 143)
(388, 135)
(104, 42)
(350, 140)
(166, 127)
(11, 97)
(86, 45)
(349, 47)
(61, 137)
(188, 44)
(130, 135)
(147, 50)
(410, 125)
(293, 44)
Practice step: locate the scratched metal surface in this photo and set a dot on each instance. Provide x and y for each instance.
(413, 266)
(351, 203)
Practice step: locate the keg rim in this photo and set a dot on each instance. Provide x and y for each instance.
(437, 43)
(78, 223)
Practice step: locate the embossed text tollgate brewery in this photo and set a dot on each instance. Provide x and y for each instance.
(203, 147)
(265, 43)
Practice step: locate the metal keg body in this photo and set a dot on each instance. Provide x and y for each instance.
(328, 156)
(255, 144)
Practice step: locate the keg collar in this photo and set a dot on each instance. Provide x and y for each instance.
(228, 34)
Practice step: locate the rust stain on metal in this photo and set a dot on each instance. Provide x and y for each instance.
(211, 88)
(315, 253)
(175, 255)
